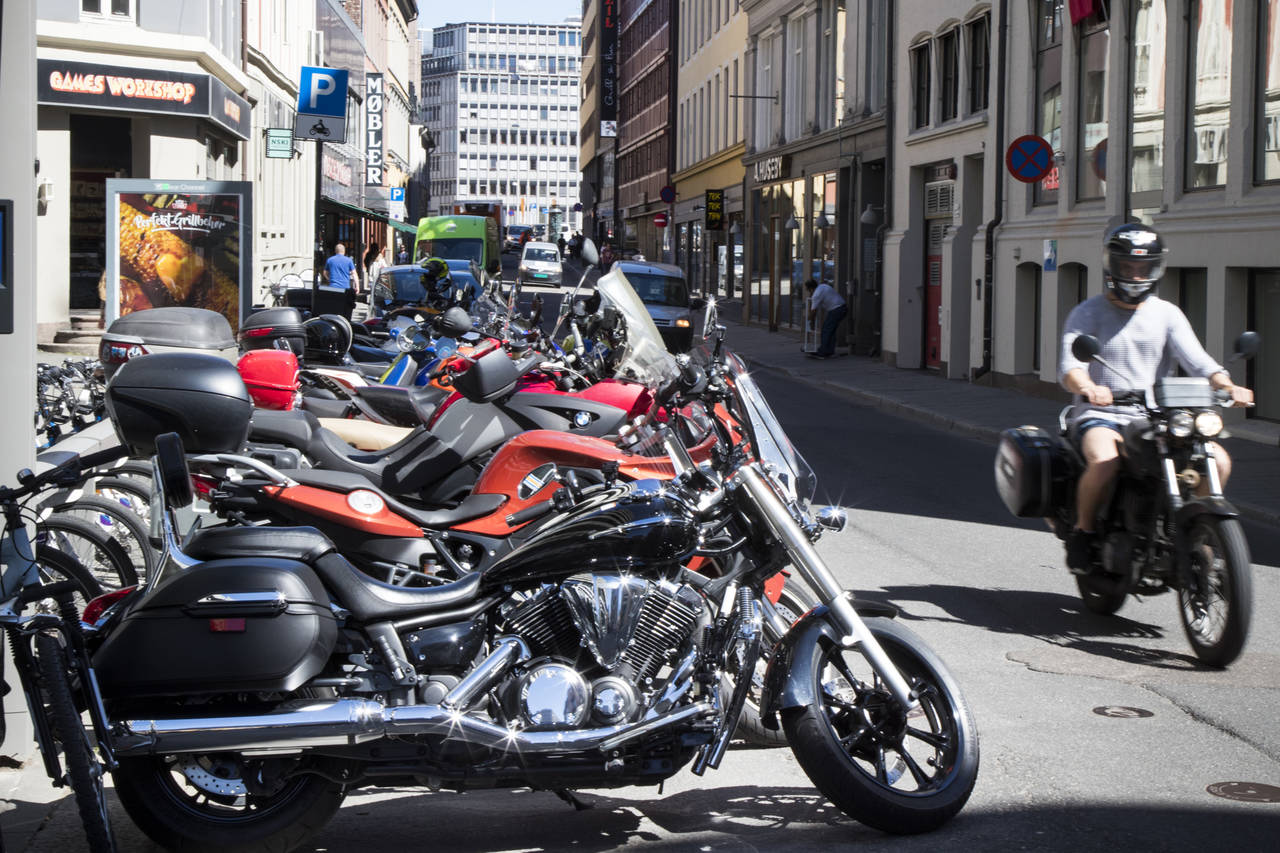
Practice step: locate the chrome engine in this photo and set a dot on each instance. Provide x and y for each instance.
(599, 642)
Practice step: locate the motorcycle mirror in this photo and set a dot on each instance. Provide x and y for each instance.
(1086, 347)
(831, 518)
(709, 318)
(406, 337)
(1247, 345)
(589, 252)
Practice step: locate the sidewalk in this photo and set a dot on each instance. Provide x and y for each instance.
(978, 410)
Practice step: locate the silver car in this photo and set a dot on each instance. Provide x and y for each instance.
(539, 264)
(662, 289)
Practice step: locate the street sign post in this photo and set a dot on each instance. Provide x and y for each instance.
(660, 220)
(322, 116)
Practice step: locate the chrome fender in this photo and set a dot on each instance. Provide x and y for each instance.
(784, 686)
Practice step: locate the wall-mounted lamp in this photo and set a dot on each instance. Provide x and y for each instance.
(870, 216)
(735, 230)
(791, 224)
(822, 221)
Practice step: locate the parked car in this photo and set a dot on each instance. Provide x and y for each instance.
(539, 264)
(662, 289)
(511, 241)
(396, 287)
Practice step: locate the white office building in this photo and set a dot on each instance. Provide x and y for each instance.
(501, 101)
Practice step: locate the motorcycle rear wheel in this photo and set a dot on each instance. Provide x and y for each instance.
(178, 815)
(1216, 605)
(898, 772)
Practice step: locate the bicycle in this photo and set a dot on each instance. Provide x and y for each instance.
(49, 649)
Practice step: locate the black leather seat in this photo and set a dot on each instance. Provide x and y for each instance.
(403, 406)
(367, 599)
(471, 507)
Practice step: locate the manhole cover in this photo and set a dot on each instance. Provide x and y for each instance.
(1122, 711)
(1247, 792)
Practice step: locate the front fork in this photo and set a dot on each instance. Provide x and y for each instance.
(814, 570)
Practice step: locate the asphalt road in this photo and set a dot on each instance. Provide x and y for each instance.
(989, 593)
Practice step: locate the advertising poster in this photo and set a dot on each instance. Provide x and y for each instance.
(179, 243)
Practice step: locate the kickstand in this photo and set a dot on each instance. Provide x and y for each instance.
(572, 799)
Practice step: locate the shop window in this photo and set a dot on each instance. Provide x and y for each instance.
(1049, 90)
(979, 43)
(1268, 87)
(920, 86)
(1092, 133)
(1262, 373)
(1209, 108)
(949, 75)
(115, 8)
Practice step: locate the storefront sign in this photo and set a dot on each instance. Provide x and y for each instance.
(179, 243)
(146, 90)
(608, 62)
(279, 143)
(714, 203)
(373, 105)
(768, 169)
(336, 170)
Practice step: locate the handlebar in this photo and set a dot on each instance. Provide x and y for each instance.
(68, 471)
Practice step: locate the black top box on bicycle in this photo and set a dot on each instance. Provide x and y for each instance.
(273, 328)
(161, 330)
(200, 397)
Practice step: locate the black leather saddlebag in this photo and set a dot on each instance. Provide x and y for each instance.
(1033, 471)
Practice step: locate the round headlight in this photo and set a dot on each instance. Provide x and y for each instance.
(1181, 424)
(1208, 424)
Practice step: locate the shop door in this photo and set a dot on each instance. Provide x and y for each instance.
(101, 148)
(1264, 368)
(937, 213)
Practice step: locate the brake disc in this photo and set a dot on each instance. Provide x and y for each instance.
(209, 780)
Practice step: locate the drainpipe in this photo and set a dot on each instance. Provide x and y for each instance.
(988, 286)
(890, 114)
(244, 68)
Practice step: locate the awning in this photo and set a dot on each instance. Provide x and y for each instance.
(352, 209)
(403, 226)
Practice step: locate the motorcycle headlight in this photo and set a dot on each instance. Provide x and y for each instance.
(1181, 424)
(1208, 424)
(682, 323)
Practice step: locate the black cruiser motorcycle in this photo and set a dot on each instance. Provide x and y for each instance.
(259, 676)
(1157, 533)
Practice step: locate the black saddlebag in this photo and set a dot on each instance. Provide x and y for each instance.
(220, 626)
(1033, 471)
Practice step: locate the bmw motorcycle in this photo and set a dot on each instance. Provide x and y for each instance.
(1157, 532)
(260, 676)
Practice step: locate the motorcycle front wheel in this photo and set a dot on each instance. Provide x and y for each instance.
(898, 771)
(199, 803)
(794, 602)
(1216, 603)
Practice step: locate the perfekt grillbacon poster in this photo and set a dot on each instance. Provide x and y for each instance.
(183, 243)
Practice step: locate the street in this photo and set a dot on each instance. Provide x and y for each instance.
(989, 592)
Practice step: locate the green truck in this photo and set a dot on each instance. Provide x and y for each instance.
(471, 238)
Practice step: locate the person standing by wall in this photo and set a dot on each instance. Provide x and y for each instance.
(825, 296)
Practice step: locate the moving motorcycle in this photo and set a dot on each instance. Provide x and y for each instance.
(588, 657)
(1157, 532)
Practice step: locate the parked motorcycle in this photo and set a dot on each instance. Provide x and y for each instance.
(1158, 533)
(588, 657)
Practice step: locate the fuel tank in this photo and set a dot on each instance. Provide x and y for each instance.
(629, 527)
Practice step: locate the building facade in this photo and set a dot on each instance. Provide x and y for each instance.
(501, 102)
(817, 159)
(706, 223)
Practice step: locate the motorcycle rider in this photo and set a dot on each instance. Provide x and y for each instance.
(1141, 336)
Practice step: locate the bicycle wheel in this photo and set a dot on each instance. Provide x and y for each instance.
(84, 772)
(119, 522)
(105, 559)
(55, 566)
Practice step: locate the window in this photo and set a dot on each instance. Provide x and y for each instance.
(920, 86)
(119, 8)
(795, 105)
(764, 89)
(979, 39)
(1209, 52)
(1049, 89)
(1091, 153)
(949, 69)
(1268, 141)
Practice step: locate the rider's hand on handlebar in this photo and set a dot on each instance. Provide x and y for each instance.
(1097, 395)
(1240, 395)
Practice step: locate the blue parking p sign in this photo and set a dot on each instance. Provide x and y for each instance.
(323, 92)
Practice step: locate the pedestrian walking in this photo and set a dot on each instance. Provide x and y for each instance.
(825, 296)
(339, 270)
(560, 242)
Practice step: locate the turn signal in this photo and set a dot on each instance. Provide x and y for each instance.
(682, 323)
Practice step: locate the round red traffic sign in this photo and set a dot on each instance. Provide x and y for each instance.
(1029, 158)
(660, 220)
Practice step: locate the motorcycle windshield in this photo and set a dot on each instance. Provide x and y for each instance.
(769, 440)
(646, 359)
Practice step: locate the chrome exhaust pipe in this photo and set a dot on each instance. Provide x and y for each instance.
(346, 722)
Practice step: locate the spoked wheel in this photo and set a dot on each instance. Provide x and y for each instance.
(896, 770)
(83, 771)
(1217, 601)
(90, 546)
(115, 519)
(222, 802)
(795, 601)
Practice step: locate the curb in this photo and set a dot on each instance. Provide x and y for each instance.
(929, 416)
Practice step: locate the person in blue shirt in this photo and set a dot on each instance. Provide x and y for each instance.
(339, 270)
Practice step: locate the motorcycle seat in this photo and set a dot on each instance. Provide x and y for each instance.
(367, 599)
(471, 507)
(403, 406)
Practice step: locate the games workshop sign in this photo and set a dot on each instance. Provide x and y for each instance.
(141, 90)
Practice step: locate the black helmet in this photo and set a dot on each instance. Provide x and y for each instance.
(328, 338)
(1133, 259)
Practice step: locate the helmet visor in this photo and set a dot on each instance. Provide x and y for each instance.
(1137, 270)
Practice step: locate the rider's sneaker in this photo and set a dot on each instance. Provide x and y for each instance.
(1080, 551)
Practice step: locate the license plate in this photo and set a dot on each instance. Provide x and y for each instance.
(539, 275)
